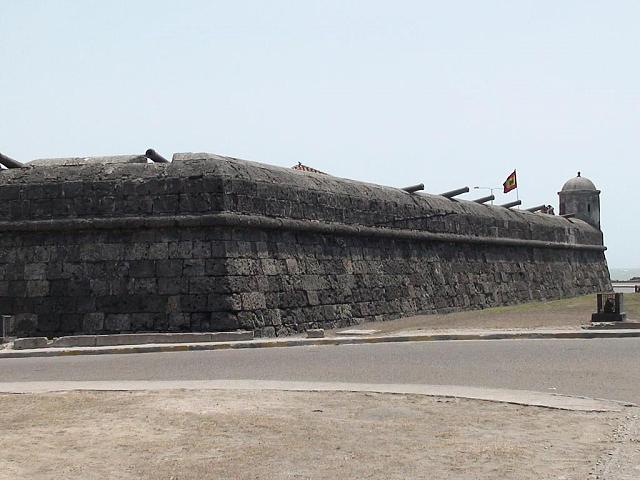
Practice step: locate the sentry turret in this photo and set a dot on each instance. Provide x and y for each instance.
(580, 198)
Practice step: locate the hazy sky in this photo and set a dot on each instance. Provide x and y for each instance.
(449, 93)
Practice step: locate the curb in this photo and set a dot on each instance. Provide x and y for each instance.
(502, 395)
(303, 342)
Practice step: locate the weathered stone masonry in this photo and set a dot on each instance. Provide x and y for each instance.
(212, 243)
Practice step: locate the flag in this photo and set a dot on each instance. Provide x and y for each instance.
(510, 183)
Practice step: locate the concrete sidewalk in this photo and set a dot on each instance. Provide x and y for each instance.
(502, 395)
(409, 336)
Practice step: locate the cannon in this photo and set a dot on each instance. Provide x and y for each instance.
(455, 193)
(536, 209)
(154, 156)
(512, 204)
(488, 198)
(10, 162)
(414, 188)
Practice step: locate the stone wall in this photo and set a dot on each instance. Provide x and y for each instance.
(210, 243)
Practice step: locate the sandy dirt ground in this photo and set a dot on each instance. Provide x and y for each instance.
(277, 435)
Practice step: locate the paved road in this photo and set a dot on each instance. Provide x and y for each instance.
(602, 368)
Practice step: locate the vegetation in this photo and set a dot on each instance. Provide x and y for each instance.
(564, 313)
(584, 305)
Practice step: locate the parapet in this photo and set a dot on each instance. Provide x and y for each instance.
(201, 184)
(78, 161)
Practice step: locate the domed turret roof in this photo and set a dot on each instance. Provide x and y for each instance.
(578, 183)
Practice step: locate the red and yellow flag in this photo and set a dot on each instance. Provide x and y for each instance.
(510, 183)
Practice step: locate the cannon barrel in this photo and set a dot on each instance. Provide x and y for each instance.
(151, 154)
(486, 199)
(536, 209)
(512, 204)
(414, 188)
(454, 193)
(10, 162)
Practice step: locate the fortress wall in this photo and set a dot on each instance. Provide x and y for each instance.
(311, 280)
(209, 243)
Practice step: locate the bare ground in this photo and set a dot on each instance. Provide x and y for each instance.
(299, 435)
(566, 313)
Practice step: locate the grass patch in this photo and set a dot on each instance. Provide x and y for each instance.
(575, 305)
(632, 305)
(565, 305)
(565, 313)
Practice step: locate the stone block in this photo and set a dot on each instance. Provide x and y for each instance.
(75, 341)
(172, 285)
(203, 284)
(25, 322)
(237, 336)
(247, 320)
(243, 266)
(37, 288)
(224, 321)
(142, 322)
(193, 267)
(201, 250)
(268, 331)
(117, 322)
(141, 286)
(240, 284)
(142, 268)
(70, 323)
(163, 338)
(17, 289)
(272, 317)
(179, 321)
(292, 266)
(253, 301)
(29, 343)
(216, 267)
(315, 333)
(35, 271)
(194, 303)
(181, 250)
(169, 268)
(217, 302)
(158, 251)
(93, 322)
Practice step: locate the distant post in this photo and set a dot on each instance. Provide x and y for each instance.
(610, 308)
(4, 327)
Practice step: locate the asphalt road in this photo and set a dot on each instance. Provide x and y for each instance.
(601, 368)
